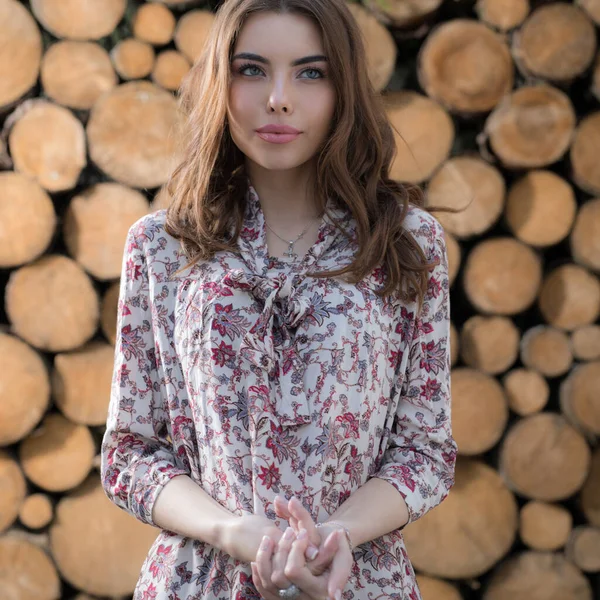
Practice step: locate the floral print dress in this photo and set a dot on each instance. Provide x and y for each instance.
(255, 380)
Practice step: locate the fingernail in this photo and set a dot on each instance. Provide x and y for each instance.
(289, 533)
(338, 595)
(301, 535)
(312, 553)
(265, 543)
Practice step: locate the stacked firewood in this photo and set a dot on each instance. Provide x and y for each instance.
(496, 104)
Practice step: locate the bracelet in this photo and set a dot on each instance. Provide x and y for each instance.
(339, 526)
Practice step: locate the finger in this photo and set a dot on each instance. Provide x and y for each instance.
(258, 585)
(296, 571)
(341, 568)
(281, 508)
(326, 554)
(305, 520)
(263, 561)
(280, 558)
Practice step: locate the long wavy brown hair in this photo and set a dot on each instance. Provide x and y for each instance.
(208, 187)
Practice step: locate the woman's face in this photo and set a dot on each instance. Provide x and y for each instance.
(280, 77)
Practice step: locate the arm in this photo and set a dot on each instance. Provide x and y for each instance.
(417, 467)
(140, 472)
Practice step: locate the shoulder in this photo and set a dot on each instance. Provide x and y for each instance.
(426, 230)
(147, 229)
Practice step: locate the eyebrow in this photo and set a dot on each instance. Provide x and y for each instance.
(295, 63)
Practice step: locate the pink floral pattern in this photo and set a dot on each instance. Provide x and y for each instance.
(255, 380)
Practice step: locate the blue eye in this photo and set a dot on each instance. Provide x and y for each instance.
(314, 70)
(249, 66)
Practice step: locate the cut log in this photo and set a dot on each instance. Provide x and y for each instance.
(403, 14)
(47, 143)
(585, 237)
(154, 23)
(592, 8)
(585, 342)
(52, 304)
(545, 526)
(490, 344)
(454, 344)
(479, 411)
(472, 186)
(437, 589)
(470, 531)
(58, 455)
(424, 134)
(133, 59)
(26, 571)
(36, 511)
(580, 397)
(583, 548)
(544, 458)
(465, 66)
(546, 350)
(503, 14)
(379, 46)
(595, 85)
(20, 52)
(178, 4)
(96, 225)
(583, 156)
(12, 491)
(502, 276)
(454, 256)
(590, 494)
(169, 69)
(570, 297)
(133, 134)
(191, 33)
(557, 42)
(541, 208)
(538, 576)
(115, 543)
(527, 391)
(25, 389)
(76, 20)
(27, 219)
(532, 127)
(81, 383)
(108, 317)
(76, 74)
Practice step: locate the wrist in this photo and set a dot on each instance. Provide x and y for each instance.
(222, 532)
(342, 527)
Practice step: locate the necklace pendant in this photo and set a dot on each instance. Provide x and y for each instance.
(290, 252)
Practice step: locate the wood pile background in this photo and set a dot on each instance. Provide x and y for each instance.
(498, 105)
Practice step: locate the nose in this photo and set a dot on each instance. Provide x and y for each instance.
(279, 97)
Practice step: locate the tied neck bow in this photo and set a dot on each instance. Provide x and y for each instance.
(270, 346)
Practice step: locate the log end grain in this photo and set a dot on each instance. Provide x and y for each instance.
(81, 383)
(36, 511)
(585, 342)
(580, 397)
(527, 391)
(76, 74)
(58, 455)
(154, 23)
(108, 317)
(590, 494)
(12, 490)
(48, 143)
(543, 457)
(424, 134)
(24, 377)
(192, 31)
(133, 59)
(479, 411)
(545, 526)
(471, 186)
(27, 219)
(583, 548)
(52, 304)
(503, 14)
(585, 237)
(465, 66)
(546, 350)
(169, 69)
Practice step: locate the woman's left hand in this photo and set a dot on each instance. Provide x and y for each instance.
(278, 566)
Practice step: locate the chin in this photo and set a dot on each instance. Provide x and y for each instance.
(279, 162)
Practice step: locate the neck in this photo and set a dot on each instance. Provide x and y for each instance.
(285, 196)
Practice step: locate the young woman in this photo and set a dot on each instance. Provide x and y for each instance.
(280, 405)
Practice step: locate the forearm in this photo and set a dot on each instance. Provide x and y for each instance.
(373, 510)
(185, 508)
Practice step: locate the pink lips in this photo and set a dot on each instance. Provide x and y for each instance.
(278, 134)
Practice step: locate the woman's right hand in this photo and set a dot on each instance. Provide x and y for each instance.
(242, 536)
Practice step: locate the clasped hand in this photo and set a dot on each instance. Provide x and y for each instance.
(318, 560)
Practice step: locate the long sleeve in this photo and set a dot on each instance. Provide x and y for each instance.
(137, 454)
(421, 454)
